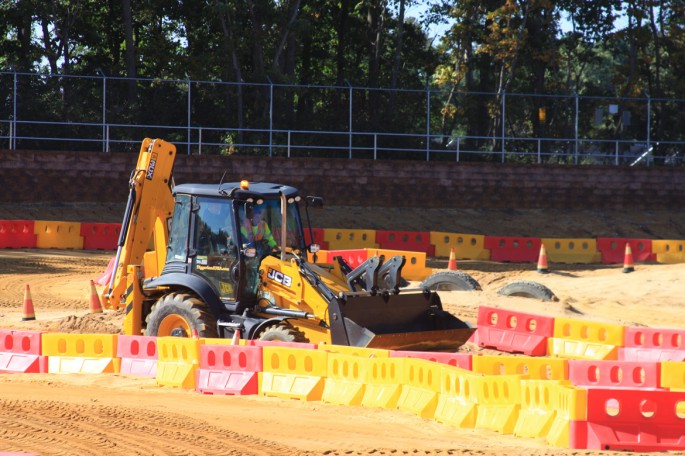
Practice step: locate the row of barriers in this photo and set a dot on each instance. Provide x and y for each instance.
(104, 236)
(596, 398)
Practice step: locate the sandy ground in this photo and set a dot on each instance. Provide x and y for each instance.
(123, 415)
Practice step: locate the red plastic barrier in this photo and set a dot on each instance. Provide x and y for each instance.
(631, 420)
(513, 332)
(318, 237)
(100, 236)
(613, 250)
(513, 249)
(352, 257)
(461, 360)
(20, 352)
(413, 241)
(614, 374)
(17, 234)
(138, 355)
(229, 369)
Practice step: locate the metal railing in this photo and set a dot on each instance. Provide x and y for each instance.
(95, 122)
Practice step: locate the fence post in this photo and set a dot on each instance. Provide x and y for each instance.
(104, 110)
(504, 107)
(375, 144)
(649, 116)
(199, 141)
(288, 143)
(349, 120)
(539, 158)
(458, 147)
(13, 136)
(189, 109)
(271, 116)
(575, 132)
(428, 120)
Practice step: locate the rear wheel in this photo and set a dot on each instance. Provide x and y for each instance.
(179, 315)
(528, 289)
(450, 281)
(282, 333)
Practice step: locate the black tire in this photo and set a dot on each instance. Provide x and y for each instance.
(180, 314)
(282, 333)
(528, 289)
(450, 281)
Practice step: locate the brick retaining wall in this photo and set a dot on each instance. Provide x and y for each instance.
(44, 176)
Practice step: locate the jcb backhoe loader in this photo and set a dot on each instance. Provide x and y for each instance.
(193, 260)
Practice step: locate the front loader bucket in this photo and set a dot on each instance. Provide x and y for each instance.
(406, 321)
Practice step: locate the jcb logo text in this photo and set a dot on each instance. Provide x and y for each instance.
(279, 277)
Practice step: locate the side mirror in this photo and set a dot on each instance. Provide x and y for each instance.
(314, 201)
(249, 251)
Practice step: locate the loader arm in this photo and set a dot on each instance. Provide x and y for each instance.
(144, 227)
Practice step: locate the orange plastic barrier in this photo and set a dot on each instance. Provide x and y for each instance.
(537, 408)
(58, 235)
(293, 373)
(414, 241)
(653, 344)
(457, 403)
(669, 251)
(337, 239)
(100, 236)
(513, 332)
(572, 250)
(20, 352)
(229, 369)
(614, 374)
(499, 402)
(461, 360)
(513, 249)
(466, 246)
(420, 387)
(613, 249)
(17, 234)
(631, 420)
(584, 339)
(346, 379)
(570, 403)
(138, 355)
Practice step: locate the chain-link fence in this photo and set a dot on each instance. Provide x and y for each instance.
(112, 114)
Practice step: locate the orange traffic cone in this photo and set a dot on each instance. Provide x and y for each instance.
(542, 260)
(628, 265)
(452, 264)
(236, 338)
(195, 334)
(95, 306)
(28, 313)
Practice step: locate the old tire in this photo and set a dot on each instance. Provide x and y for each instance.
(281, 333)
(450, 281)
(180, 314)
(528, 289)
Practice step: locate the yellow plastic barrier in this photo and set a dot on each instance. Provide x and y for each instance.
(81, 353)
(582, 339)
(669, 251)
(179, 358)
(415, 266)
(349, 239)
(384, 382)
(457, 404)
(572, 250)
(531, 367)
(346, 379)
(362, 352)
(58, 235)
(499, 402)
(420, 387)
(294, 373)
(537, 408)
(570, 403)
(673, 375)
(466, 246)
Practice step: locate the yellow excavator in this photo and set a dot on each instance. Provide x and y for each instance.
(209, 260)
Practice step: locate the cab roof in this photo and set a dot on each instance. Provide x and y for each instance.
(265, 190)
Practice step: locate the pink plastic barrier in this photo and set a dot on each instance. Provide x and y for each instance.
(17, 234)
(229, 369)
(653, 344)
(413, 241)
(20, 352)
(100, 236)
(513, 332)
(614, 374)
(513, 249)
(138, 355)
(461, 360)
(613, 250)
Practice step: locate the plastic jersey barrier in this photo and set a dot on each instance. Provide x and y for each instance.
(100, 236)
(420, 387)
(293, 373)
(17, 234)
(414, 266)
(615, 374)
(20, 352)
(138, 355)
(673, 375)
(179, 358)
(466, 246)
(362, 352)
(346, 378)
(80, 353)
(58, 235)
(513, 249)
(384, 383)
(457, 403)
(669, 251)
(631, 420)
(534, 368)
(653, 344)
(513, 332)
(584, 339)
(461, 360)
(318, 237)
(499, 402)
(572, 250)
(570, 403)
(613, 249)
(349, 239)
(352, 257)
(229, 369)
(414, 241)
(537, 408)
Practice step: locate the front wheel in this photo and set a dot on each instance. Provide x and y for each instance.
(282, 333)
(180, 315)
